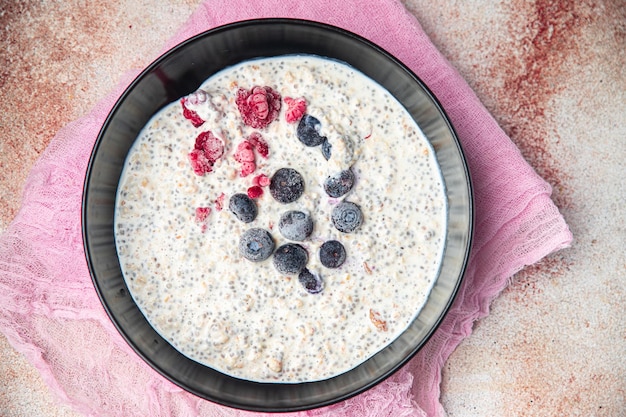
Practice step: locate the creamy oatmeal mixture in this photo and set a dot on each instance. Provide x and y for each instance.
(179, 242)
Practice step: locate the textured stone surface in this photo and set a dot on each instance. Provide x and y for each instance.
(553, 75)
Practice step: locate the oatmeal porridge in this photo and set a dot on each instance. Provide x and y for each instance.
(284, 222)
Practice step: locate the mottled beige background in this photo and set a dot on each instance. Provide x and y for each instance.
(552, 74)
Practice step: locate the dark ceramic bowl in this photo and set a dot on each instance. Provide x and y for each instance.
(180, 72)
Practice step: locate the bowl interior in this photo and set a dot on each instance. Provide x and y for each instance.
(178, 73)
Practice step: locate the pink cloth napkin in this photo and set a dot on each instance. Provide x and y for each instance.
(50, 312)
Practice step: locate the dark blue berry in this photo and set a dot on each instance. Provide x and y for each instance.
(312, 283)
(290, 258)
(332, 254)
(346, 216)
(286, 185)
(256, 245)
(339, 184)
(243, 207)
(327, 149)
(308, 131)
(295, 225)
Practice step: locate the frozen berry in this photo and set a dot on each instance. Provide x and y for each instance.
(256, 245)
(312, 283)
(202, 213)
(191, 115)
(261, 180)
(219, 202)
(290, 258)
(296, 107)
(207, 150)
(258, 106)
(339, 184)
(259, 144)
(245, 156)
(332, 254)
(327, 149)
(255, 191)
(346, 216)
(243, 207)
(308, 131)
(295, 225)
(286, 185)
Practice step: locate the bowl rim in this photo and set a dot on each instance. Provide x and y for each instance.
(99, 141)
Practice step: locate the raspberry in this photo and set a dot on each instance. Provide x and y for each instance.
(259, 106)
(255, 191)
(210, 144)
(219, 202)
(245, 156)
(261, 180)
(191, 115)
(200, 164)
(202, 213)
(247, 168)
(244, 152)
(207, 150)
(296, 107)
(259, 144)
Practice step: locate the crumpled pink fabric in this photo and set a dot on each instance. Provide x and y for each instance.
(50, 312)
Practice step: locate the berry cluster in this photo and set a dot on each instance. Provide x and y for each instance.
(259, 107)
(286, 186)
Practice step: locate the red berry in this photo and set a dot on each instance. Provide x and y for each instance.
(296, 107)
(245, 156)
(259, 106)
(244, 152)
(208, 149)
(259, 144)
(255, 191)
(200, 164)
(202, 213)
(211, 145)
(191, 115)
(219, 202)
(247, 168)
(261, 180)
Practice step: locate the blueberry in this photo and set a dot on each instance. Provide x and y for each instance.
(286, 185)
(256, 245)
(295, 225)
(332, 254)
(346, 217)
(311, 282)
(308, 131)
(326, 149)
(290, 258)
(339, 184)
(243, 207)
